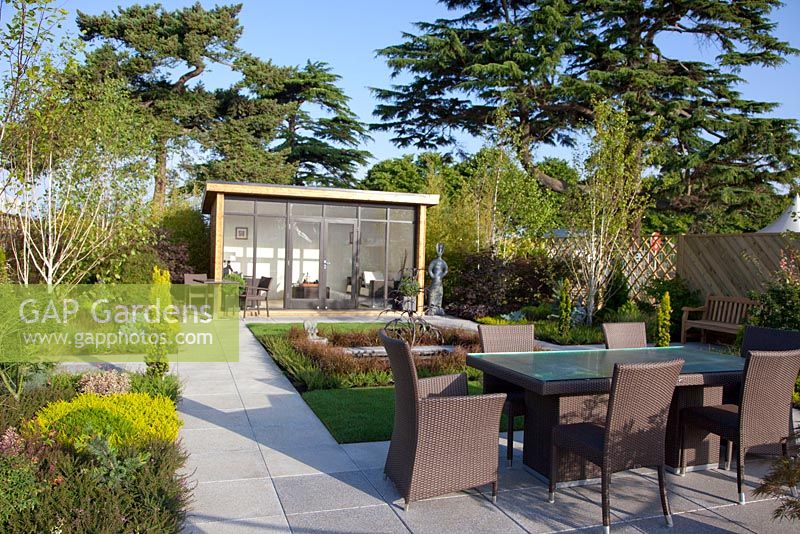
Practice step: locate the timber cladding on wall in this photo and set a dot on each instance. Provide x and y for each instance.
(731, 265)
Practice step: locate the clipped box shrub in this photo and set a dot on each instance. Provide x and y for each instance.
(127, 419)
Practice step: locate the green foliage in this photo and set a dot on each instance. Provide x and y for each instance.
(297, 366)
(50, 487)
(396, 174)
(408, 286)
(493, 320)
(617, 291)
(565, 306)
(539, 312)
(779, 307)
(187, 226)
(156, 353)
(138, 267)
(127, 419)
(56, 164)
(488, 285)
(542, 62)
(680, 294)
(576, 335)
(168, 386)
(236, 277)
(663, 317)
(783, 476)
(21, 488)
(13, 411)
(610, 202)
(143, 45)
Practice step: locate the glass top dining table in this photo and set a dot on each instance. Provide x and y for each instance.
(542, 370)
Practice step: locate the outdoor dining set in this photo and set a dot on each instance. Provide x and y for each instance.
(591, 413)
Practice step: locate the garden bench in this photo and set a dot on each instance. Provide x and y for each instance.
(720, 314)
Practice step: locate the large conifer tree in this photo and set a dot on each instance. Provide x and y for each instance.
(544, 60)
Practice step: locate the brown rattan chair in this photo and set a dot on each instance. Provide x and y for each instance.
(442, 440)
(625, 335)
(507, 338)
(762, 416)
(254, 297)
(761, 338)
(634, 433)
(263, 289)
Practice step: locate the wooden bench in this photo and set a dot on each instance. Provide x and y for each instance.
(720, 314)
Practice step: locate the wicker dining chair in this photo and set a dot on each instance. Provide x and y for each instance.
(263, 289)
(625, 335)
(762, 415)
(634, 432)
(253, 297)
(442, 440)
(761, 338)
(507, 338)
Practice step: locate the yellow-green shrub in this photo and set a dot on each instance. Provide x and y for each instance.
(126, 419)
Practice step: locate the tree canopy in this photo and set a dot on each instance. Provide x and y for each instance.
(277, 124)
(543, 61)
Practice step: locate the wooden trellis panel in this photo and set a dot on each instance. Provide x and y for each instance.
(731, 265)
(646, 259)
(642, 260)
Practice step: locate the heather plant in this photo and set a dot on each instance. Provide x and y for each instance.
(104, 383)
(11, 443)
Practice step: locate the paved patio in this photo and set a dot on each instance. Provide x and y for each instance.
(262, 462)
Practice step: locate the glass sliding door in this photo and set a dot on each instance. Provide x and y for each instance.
(270, 257)
(337, 265)
(305, 264)
(372, 265)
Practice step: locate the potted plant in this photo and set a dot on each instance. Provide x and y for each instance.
(408, 288)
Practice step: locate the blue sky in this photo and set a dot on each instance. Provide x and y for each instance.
(346, 34)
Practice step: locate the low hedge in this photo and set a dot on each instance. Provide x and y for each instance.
(124, 419)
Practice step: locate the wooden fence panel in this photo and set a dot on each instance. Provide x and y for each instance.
(731, 265)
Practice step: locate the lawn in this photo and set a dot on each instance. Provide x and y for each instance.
(365, 414)
(271, 329)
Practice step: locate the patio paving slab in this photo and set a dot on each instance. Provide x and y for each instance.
(324, 492)
(378, 519)
(232, 465)
(275, 524)
(218, 439)
(369, 455)
(210, 401)
(464, 513)
(293, 461)
(234, 499)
